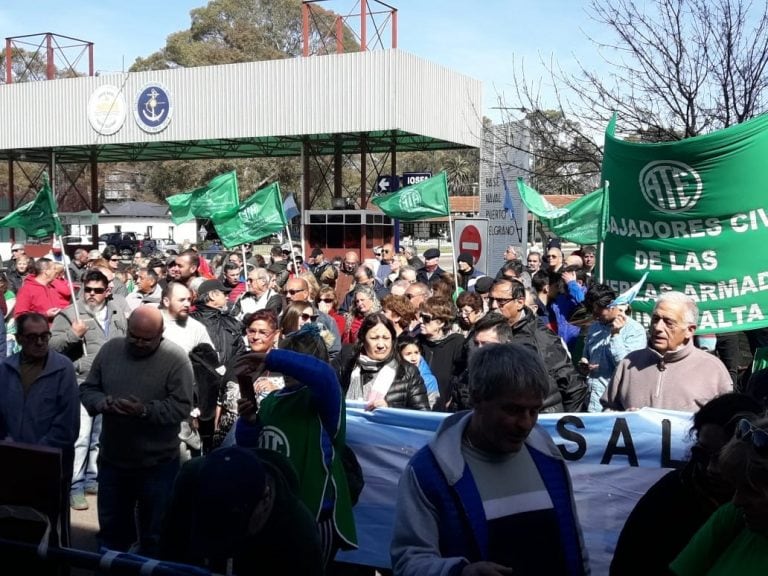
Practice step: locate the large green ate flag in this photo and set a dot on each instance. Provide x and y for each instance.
(220, 194)
(38, 218)
(420, 201)
(257, 217)
(582, 221)
(694, 215)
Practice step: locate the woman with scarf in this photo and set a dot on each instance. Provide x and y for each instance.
(371, 371)
(364, 302)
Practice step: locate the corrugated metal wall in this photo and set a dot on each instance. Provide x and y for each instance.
(359, 92)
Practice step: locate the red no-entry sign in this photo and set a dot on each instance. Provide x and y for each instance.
(471, 242)
(471, 236)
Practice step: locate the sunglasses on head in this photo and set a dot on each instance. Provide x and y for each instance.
(88, 289)
(747, 431)
(309, 317)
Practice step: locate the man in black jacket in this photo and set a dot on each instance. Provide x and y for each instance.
(226, 331)
(507, 297)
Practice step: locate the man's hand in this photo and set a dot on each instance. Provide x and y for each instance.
(373, 404)
(568, 277)
(247, 410)
(51, 312)
(130, 406)
(619, 322)
(486, 569)
(250, 363)
(105, 405)
(79, 328)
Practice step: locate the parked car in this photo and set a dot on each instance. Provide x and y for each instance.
(164, 245)
(126, 243)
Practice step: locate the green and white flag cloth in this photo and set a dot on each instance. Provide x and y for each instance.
(693, 215)
(420, 201)
(220, 194)
(38, 218)
(583, 221)
(258, 216)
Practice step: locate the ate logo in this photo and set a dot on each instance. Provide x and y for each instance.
(274, 439)
(410, 200)
(670, 186)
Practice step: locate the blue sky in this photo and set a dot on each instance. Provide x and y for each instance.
(481, 38)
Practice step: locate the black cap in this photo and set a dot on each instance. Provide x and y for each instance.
(210, 286)
(483, 284)
(466, 257)
(431, 253)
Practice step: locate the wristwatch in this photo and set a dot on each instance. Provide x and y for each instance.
(144, 412)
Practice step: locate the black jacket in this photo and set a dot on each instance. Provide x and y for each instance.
(226, 331)
(423, 276)
(446, 359)
(568, 390)
(407, 390)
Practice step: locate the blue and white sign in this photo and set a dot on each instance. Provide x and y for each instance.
(411, 178)
(385, 184)
(153, 107)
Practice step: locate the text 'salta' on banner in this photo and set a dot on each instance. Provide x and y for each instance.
(693, 214)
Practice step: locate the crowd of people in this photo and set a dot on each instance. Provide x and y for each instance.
(236, 370)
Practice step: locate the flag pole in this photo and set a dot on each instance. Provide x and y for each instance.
(293, 255)
(61, 239)
(245, 263)
(453, 255)
(603, 219)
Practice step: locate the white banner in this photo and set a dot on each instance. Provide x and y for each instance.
(613, 459)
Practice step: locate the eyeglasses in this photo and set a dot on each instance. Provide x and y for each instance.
(550, 256)
(114, 259)
(88, 289)
(258, 279)
(465, 312)
(173, 265)
(42, 337)
(412, 296)
(262, 333)
(501, 302)
(309, 317)
(747, 431)
(292, 292)
(426, 318)
(327, 300)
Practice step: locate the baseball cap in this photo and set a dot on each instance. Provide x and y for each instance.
(94, 255)
(17, 246)
(231, 482)
(210, 286)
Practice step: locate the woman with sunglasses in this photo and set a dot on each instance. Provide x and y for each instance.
(327, 302)
(735, 538)
(443, 349)
(371, 370)
(676, 506)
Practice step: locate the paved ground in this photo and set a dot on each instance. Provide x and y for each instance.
(85, 525)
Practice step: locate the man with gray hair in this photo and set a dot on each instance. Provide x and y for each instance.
(670, 373)
(490, 493)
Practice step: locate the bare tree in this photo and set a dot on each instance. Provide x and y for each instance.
(675, 69)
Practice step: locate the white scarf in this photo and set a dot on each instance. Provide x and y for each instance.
(376, 388)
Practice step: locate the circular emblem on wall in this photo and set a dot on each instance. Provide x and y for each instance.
(106, 109)
(153, 107)
(670, 186)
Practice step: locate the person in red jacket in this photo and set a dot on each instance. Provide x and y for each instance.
(37, 293)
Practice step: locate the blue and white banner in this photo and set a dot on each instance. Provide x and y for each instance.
(613, 459)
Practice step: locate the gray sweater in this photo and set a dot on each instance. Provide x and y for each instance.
(162, 381)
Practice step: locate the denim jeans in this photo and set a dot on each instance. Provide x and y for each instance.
(130, 496)
(86, 470)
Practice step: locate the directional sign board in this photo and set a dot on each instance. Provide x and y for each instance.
(411, 178)
(472, 235)
(386, 183)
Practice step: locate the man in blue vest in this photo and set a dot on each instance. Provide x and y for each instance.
(490, 493)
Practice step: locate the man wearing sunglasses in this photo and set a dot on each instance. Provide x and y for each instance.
(38, 393)
(80, 334)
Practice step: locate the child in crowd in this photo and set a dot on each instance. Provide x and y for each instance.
(409, 349)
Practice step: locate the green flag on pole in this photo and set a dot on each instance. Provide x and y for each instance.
(257, 217)
(580, 222)
(38, 218)
(219, 195)
(423, 200)
(692, 213)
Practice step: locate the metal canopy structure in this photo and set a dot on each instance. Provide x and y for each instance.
(349, 103)
(280, 146)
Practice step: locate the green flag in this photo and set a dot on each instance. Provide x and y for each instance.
(38, 218)
(693, 214)
(257, 217)
(580, 222)
(219, 195)
(427, 199)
